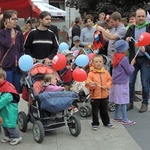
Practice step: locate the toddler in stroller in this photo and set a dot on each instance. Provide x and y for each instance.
(49, 110)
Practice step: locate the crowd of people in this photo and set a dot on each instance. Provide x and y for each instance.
(40, 40)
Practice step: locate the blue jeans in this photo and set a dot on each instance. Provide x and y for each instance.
(141, 64)
(14, 76)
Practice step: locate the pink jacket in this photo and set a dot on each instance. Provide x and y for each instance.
(52, 88)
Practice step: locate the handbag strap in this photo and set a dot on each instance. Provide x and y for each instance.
(7, 52)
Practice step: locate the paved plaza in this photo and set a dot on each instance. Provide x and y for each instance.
(122, 137)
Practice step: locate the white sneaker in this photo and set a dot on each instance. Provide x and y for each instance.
(6, 139)
(15, 141)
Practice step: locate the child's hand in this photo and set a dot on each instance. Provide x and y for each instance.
(104, 87)
(92, 84)
(68, 67)
(133, 61)
(0, 121)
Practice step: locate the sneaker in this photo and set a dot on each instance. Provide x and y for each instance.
(76, 110)
(128, 122)
(118, 119)
(15, 141)
(109, 126)
(95, 127)
(143, 108)
(6, 139)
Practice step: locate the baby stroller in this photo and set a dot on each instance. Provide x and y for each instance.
(47, 111)
(83, 98)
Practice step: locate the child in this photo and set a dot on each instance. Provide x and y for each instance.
(49, 84)
(98, 83)
(120, 79)
(66, 73)
(9, 110)
(76, 48)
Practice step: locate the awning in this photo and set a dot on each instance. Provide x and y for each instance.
(23, 7)
(54, 11)
(28, 8)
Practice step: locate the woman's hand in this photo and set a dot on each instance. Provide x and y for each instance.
(8, 24)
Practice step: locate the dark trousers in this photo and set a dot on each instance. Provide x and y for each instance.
(100, 105)
(11, 132)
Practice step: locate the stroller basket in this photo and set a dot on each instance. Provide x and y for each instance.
(56, 101)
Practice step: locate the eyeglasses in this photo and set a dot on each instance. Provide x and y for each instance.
(16, 19)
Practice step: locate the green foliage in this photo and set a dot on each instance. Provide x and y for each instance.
(125, 7)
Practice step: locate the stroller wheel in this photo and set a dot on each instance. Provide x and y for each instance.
(83, 111)
(89, 110)
(38, 131)
(22, 121)
(111, 106)
(74, 125)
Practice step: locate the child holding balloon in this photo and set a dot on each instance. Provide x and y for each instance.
(66, 72)
(98, 83)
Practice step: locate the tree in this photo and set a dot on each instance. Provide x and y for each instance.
(125, 7)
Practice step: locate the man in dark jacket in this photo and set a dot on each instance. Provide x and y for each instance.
(76, 31)
(141, 60)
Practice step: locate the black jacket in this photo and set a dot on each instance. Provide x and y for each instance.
(130, 33)
(55, 30)
(76, 31)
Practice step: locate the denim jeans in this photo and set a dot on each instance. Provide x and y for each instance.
(14, 76)
(141, 64)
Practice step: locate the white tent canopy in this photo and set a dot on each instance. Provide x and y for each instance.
(54, 11)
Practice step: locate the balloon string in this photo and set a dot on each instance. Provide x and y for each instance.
(98, 85)
(137, 53)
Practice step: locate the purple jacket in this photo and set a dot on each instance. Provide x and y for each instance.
(11, 59)
(122, 72)
(52, 88)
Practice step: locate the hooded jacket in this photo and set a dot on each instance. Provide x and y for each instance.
(100, 77)
(130, 33)
(8, 108)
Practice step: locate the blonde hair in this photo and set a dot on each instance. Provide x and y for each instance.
(48, 77)
(97, 56)
(2, 74)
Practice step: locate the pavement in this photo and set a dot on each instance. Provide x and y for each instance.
(122, 137)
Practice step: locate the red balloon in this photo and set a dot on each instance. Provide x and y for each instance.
(79, 75)
(59, 62)
(143, 39)
(91, 56)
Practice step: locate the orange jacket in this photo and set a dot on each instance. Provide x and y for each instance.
(101, 78)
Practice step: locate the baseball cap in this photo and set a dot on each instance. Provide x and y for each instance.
(66, 52)
(76, 38)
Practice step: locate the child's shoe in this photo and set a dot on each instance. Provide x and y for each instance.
(118, 119)
(6, 139)
(109, 126)
(15, 141)
(128, 122)
(95, 127)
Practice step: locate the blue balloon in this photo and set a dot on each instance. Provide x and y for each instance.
(82, 60)
(63, 46)
(25, 62)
